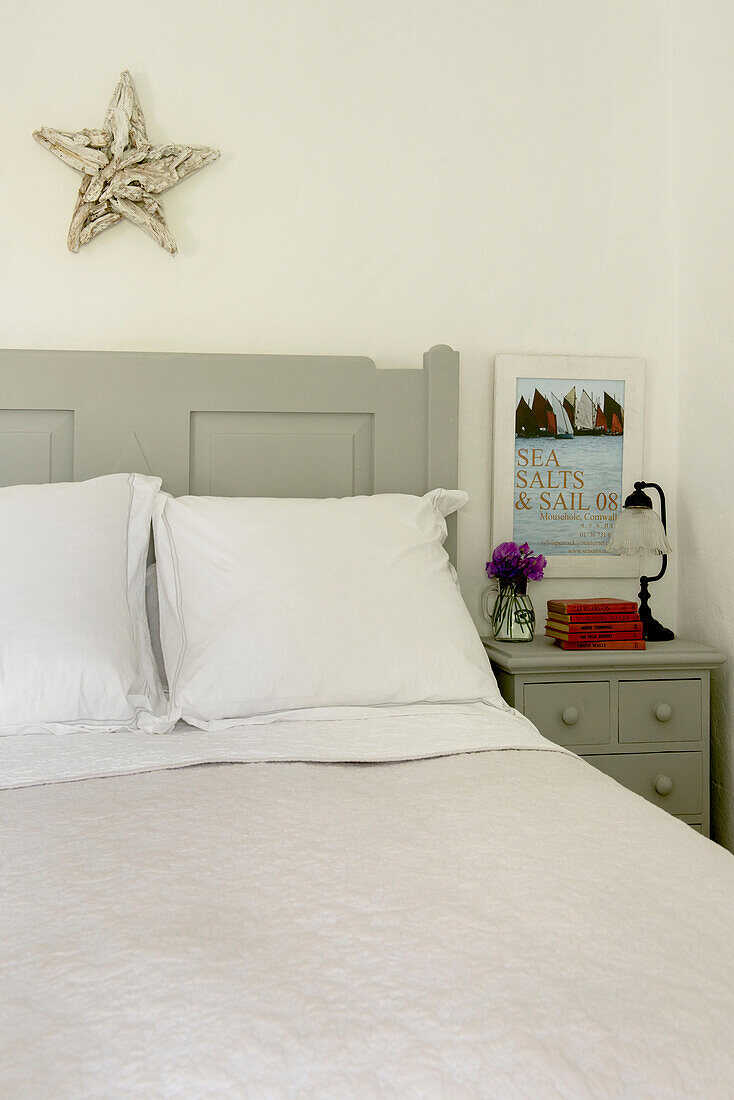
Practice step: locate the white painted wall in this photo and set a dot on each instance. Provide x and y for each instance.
(703, 129)
(487, 174)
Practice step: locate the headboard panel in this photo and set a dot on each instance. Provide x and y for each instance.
(231, 425)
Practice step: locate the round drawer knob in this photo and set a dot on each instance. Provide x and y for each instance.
(663, 712)
(570, 716)
(663, 784)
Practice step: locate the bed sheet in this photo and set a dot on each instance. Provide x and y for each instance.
(368, 734)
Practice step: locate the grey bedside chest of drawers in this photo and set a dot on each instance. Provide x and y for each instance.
(641, 717)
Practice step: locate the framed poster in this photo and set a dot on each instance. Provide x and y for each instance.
(567, 449)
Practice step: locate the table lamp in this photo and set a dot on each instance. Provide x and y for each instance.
(640, 530)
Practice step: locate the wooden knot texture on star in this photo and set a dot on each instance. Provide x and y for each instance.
(123, 173)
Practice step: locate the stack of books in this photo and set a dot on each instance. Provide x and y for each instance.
(601, 623)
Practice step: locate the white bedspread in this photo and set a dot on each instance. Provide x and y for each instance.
(503, 923)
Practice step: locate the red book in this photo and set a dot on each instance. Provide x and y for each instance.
(638, 643)
(592, 636)
(633, 627)
(587, 607)
(598, 618)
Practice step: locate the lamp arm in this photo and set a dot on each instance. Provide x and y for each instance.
(661, 494)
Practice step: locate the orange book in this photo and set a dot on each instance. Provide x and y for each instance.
(592, 636)
(604, 630)
(599, 604)
(598, 618)
(638, 643)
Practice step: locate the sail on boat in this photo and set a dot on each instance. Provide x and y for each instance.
(543, 413)
(525, 422)
(613, 415)
(564, 427)
(583, 420)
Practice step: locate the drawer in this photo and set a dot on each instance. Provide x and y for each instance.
(570, 713)
(680, 774)
(659, 710)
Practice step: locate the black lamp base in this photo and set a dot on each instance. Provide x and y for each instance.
(652, 630)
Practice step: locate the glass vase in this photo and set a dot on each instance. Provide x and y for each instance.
(512, 617)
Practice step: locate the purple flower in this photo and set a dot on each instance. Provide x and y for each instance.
(505, 563)
(513, 564)
(533, 568)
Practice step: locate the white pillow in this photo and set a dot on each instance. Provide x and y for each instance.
(270, 606)
(75, 650)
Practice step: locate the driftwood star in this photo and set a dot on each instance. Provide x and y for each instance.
(123, 172)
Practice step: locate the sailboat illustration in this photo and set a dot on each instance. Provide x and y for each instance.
(543, 413)
(564, 427)
(579, 413)
(614, 415)
(584, 421)
(525, 422)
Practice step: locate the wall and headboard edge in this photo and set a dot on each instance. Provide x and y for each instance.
(232, 425)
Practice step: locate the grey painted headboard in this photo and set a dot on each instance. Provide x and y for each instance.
(231, 425)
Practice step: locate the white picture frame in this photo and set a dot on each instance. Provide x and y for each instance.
(571, 369)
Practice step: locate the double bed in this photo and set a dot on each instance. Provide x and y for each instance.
(430, 900)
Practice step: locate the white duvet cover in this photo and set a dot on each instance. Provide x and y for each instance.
(498, 920)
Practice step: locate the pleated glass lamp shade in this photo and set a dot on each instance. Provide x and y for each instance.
(638, 531)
